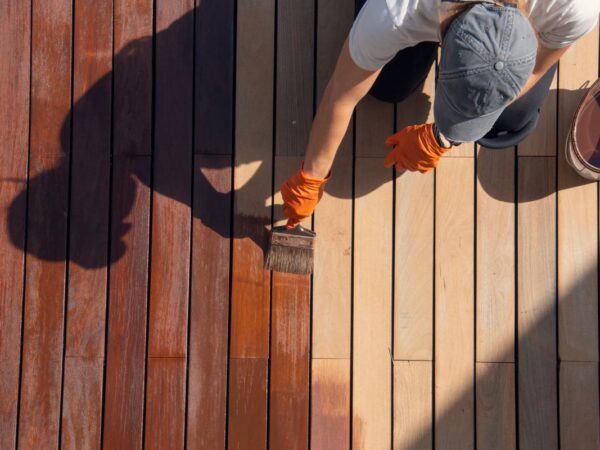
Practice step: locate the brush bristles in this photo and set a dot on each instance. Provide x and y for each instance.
(290, 259)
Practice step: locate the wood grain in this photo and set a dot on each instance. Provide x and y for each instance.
(454, 304)
(209, 307)
(413, 405)
(496, 409)
(577, 218)
(330, 404)
(15, 45)
(536, 322)
(495, 315)
(127, 313)
(43, 321)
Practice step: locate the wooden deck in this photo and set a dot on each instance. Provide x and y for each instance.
(143, 144)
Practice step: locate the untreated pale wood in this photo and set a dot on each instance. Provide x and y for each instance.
(413, 405)
(89, 225)
(536, 231)
(165, 403)
(43, 321)
(333, 217)
(247, 426)
(496, 409)
(330, 404)
(542, 140)
(577, 217)
(413, 287)
(172, 180)
(372, 326)
(209, 307)
(579, 414)
(214, 74)
(126, 340)
(454, 305)
(14, 123)
(495, 328)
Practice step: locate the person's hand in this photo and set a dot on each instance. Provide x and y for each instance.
(414, 148)
(301, 194)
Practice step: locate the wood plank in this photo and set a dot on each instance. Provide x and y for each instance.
(132, 99)
(496, 409)
(81, 425)
(579, 405)
(165, 403)
(42, 358)
(209, 307)
(89, 226)
(372, 335)
(413, 286)
(577, 218)
(330, 404)
(247, 427)
(172, 180)
(214, 75)
(15, 47)
(495, 315)
(250, 302)
(126, 347)
(536, 283)
(333, 218)
(454, 304)
(413, 405)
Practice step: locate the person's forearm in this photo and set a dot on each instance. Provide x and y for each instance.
(328, 130)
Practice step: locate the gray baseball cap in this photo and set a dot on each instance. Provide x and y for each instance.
(488, 54)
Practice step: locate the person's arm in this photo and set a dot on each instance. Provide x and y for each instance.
(545, 59)
(347, 86)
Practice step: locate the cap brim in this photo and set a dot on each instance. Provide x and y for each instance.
(458, 127)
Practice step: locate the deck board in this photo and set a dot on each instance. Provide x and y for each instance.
(145, 145)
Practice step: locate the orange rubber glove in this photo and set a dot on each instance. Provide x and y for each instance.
(415, 148)
(301, 194)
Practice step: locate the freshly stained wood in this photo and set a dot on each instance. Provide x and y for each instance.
(538, 427)
(413, 405)
(14, 123)
(209, 307)
(126, 340)
(214, 75)
(495, 328)
(577, 218)
(454, 306)
(165, 404)
(333, 217)
(579, 413)
(330, 404)
(43, 321)
(89, 226)
(496, 409)
(413, 282)
(372, 334)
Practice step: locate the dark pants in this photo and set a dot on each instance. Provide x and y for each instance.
(407, 71)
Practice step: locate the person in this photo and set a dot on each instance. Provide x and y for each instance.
(498, 59)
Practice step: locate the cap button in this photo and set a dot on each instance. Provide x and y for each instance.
(499, 65)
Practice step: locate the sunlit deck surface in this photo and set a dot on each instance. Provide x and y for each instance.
(143, 143)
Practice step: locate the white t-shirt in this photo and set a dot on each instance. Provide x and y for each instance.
(383, 27)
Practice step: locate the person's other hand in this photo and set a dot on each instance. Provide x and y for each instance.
(414, 148)
(301, 194)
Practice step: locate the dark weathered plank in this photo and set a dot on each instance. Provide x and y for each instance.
(248, 397)
(215, 67)
(89, 212)
(47, 225)
(126, 347)
(15, 20)
(209, 308)
(165, 404)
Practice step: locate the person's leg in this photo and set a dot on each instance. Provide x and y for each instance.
(519, 119)
(405, 73)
